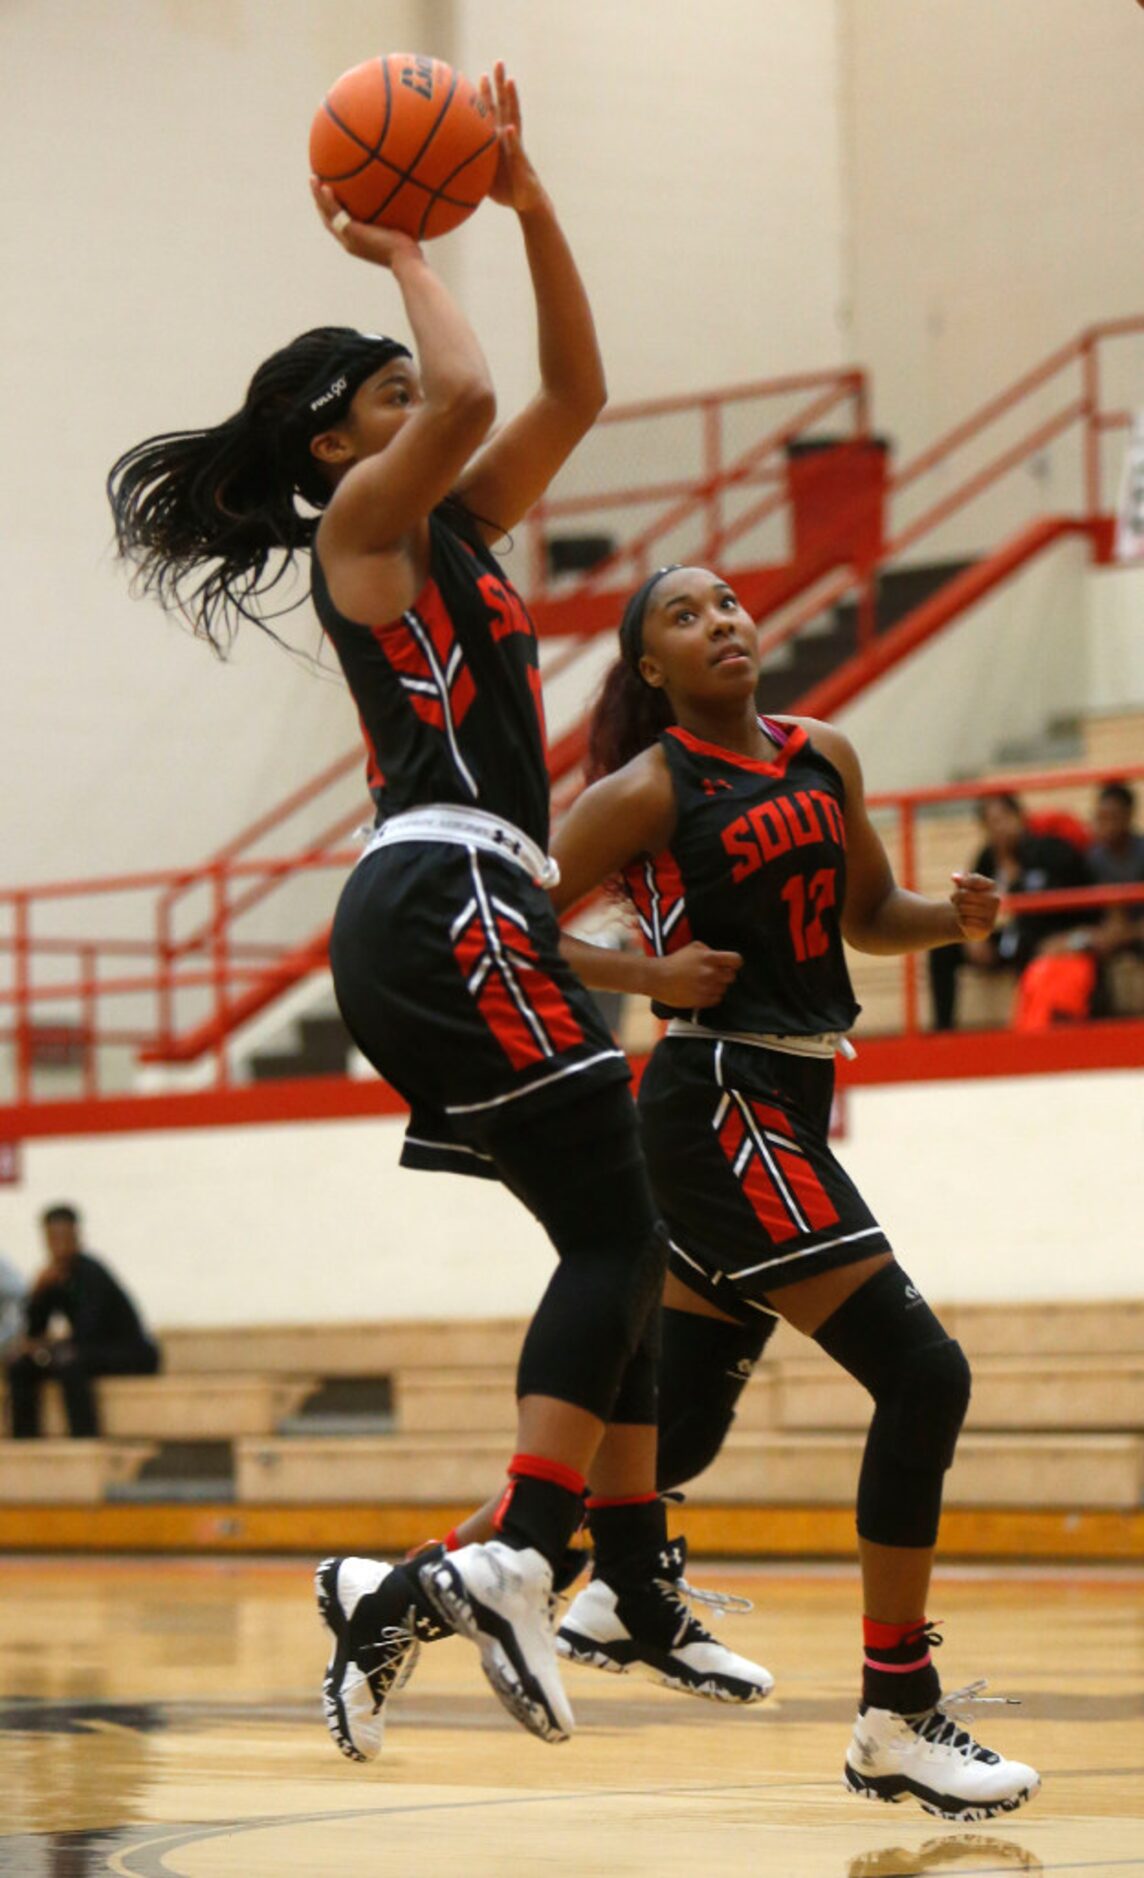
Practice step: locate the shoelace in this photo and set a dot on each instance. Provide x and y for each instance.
(945, 1732)
(716, 1600)
(398, 1650)
(677, 1591)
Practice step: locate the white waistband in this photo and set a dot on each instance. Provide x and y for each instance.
(467, 828)
(826, 1043)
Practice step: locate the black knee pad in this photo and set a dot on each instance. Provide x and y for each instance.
(590, 1325)
(704, 1366)
(929, 1404)
(579, 1169)
(890, 1341)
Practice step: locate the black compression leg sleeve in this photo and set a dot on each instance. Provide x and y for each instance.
(579, 1168)
(887, 1337)
(637, 1398)
(704, 1367)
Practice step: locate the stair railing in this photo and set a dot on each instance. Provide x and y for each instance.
(1081, 411)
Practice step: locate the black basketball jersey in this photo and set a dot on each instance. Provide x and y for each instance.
(448, 693)
(756, 865)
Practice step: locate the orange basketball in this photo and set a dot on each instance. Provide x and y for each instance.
(407, 142)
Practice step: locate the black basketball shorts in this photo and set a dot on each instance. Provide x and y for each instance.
(448, 973)
(736, 1142)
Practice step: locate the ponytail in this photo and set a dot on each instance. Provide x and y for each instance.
(201, 513)
(209, 517)
(628, 717)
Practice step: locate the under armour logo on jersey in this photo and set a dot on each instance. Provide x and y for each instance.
(913, 1297)
(712, 785)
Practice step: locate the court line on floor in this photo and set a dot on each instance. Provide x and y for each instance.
(175, 1840)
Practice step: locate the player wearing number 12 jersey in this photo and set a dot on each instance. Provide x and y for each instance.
(736, 1103)
(745, 848)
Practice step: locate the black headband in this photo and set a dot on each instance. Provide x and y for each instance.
(328, 395)
(631, 625)
(327, 398)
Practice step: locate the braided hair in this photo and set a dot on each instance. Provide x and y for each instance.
(210, 517)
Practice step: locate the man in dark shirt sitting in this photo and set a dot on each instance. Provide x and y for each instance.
(107, 1337)
(1021, 859)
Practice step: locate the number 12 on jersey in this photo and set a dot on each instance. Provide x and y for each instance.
(808, 900)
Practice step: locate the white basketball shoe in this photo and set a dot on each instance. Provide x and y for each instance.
(369, 1608)
(936, 1761)
(650, 1629)
(501, 1599)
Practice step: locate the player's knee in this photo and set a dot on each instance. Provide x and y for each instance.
(705, 1364)
(689, 1442)
(929, 1405)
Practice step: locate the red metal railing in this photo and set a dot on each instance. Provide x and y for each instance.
(651, 513)
(204, 979)
(1075, 376)
(908, 807)
(655, 512)
(229, 980)
(702, 498)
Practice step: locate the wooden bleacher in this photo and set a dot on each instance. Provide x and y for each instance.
(215, 1407)
(1056, 1426)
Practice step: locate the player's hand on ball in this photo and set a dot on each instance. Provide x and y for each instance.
(516, 184)
(694, 977)
(367, 240)
(976, 904)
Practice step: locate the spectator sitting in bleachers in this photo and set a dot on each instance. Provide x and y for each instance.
(1117, 860)
(106, 1335)
(1117, 857)
(12, 1289)
(1021, 859)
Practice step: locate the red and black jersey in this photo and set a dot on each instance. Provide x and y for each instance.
(448, 693)
(756, 865)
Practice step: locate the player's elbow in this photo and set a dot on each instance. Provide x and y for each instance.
(863, 930)
(595, 394)
(467, 410)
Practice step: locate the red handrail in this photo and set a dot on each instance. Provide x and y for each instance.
(1083, 410)
(686, 497)
(238, 980)
(237, 881)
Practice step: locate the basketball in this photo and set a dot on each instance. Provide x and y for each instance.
(407, 142)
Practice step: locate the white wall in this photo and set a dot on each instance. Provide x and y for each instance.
(694, 152)
(158, 241)
(1116, 639)
(1060, 640)
(942, 189)
(998, 675)
(1015, 1188)
(996, 1189)
(993, 190)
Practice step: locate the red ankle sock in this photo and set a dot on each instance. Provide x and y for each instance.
(542, 1506)
(897, 1668)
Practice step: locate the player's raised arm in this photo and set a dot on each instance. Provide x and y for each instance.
(436, 417)
(516, 467)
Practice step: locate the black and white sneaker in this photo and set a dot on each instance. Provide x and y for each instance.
(370, 1611)
(501, 1599)
(932, 1759)
(649, 1628)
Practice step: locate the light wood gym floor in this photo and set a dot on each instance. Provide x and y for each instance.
(160, 1719)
